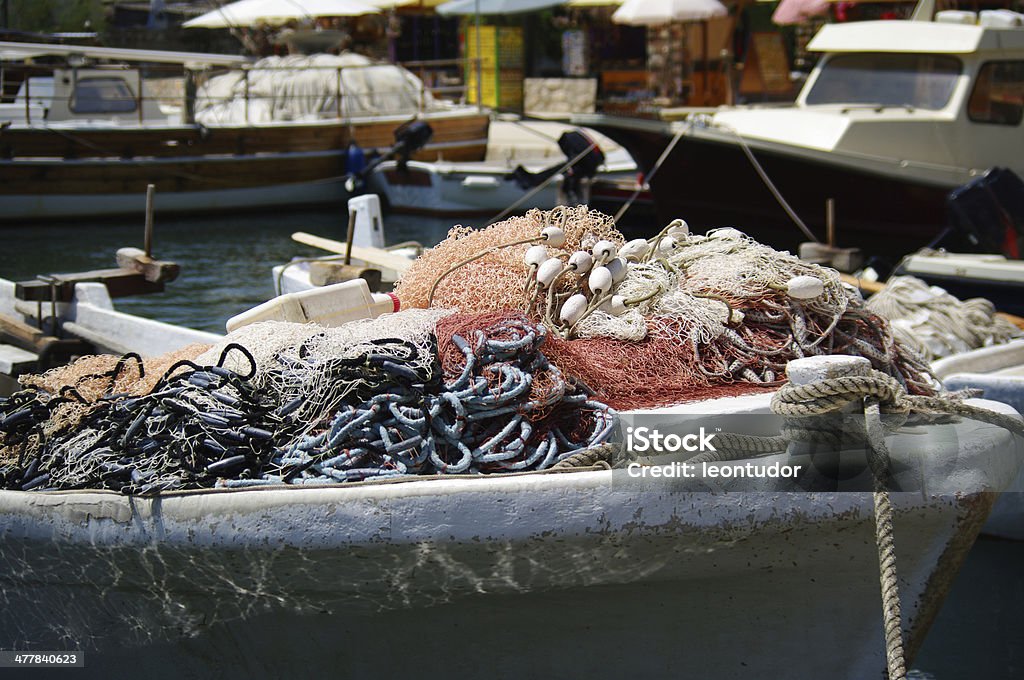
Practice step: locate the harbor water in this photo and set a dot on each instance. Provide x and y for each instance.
(226, 263)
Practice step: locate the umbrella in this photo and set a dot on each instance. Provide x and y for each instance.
(659, 12)
(798, 11)
(495, 6)
(252, 12)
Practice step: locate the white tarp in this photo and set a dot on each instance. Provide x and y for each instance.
(302, 87)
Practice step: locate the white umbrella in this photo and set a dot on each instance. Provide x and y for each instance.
(495, 6)
(252, 12)
(659, 12)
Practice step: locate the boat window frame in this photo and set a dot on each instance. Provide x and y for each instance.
(73, 104)
(823, 69)
(994, 120)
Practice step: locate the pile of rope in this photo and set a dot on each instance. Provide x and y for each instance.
(280, 403)
(663, 320)
(937, 324)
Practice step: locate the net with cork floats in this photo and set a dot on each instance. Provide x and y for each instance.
(652, 322)
(518, 344)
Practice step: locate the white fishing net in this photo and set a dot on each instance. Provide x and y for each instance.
(936, 323)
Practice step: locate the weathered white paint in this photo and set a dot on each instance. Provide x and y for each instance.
(583, 574)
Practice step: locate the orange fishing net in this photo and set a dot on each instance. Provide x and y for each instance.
(495, 281)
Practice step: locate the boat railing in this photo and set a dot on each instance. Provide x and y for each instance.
(438, 79)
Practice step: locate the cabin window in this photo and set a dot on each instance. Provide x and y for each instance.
(998, 95)
(920, 81)
(102, 95)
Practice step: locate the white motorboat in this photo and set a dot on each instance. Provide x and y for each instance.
(894, 116)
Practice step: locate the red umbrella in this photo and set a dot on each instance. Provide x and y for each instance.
(798, 11)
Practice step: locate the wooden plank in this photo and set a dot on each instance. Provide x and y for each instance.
(119, 283)
(372, 256)
(154, 271)
(864, 285)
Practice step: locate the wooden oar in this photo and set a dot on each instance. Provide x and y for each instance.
(371, 256)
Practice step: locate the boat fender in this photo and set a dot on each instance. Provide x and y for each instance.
(617, 266)
(604, 251)
(635, 250)
(535, 256)
(553, 236)
(547, 272)
(600, 280)
(355, 159)
(573, 308)
(581, 262)
(805, 287)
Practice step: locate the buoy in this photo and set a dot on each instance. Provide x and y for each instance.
(667, 245)
(548, 270)
(615, 305)
(581, 261)
(679, 230)
(805, 287)
(535, 255)
(553, 236)
(635, 250)
(573, 308)
(600, 280)
(617, 266)
(603, 251)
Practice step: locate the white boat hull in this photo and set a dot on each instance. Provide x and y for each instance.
(576, 574)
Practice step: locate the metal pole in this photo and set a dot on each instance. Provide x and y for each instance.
(147, 242)
(830, 222)
(479, 61)
(245, 72)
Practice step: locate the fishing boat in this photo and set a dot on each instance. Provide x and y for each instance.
(490, 188)
(894, 116)
(618, 565)
(85, 136)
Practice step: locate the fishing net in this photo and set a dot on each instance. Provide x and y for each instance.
(937, 324)
(495, 280)
(280, 403)
(652, 322)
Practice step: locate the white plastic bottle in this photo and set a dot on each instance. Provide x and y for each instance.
(328, 306)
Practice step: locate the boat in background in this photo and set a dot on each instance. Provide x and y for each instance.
(84, 138)
(894, 116)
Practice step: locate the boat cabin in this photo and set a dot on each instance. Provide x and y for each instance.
(946, 94)
(78, 94)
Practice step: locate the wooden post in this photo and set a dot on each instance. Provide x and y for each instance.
(189, 107)
(339, 94)
(350, 236)
(147, 243)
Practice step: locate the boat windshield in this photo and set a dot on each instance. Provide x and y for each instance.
(884, 79)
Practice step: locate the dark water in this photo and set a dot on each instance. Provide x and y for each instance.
(226, 269)
(225, 260)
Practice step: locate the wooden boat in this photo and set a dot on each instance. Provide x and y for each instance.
(591, 572)
(85, 142)
(895, 115)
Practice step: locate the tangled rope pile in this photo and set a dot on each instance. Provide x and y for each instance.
(662, 320)
(316, 406)
(935, 323)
